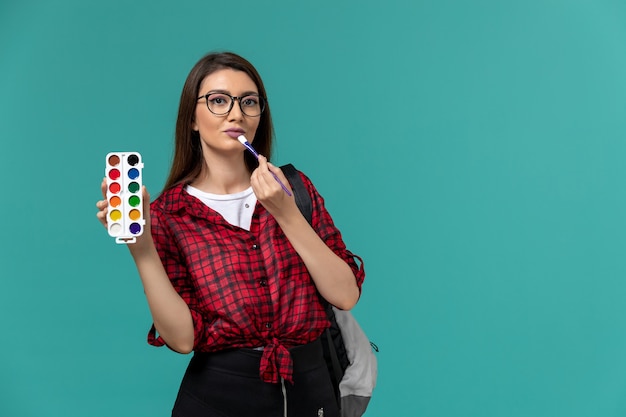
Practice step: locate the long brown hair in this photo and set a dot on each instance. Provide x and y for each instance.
(187, 161)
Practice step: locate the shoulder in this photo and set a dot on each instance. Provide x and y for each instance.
(300, 182)
(169, 200)
(292, 173)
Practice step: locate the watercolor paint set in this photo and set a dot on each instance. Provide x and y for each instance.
(123, 174)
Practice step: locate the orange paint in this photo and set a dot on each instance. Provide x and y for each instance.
(115, 201)
(134, 214)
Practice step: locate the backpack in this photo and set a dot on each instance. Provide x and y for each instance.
(348, 352)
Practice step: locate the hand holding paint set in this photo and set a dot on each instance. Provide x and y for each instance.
(123, 172)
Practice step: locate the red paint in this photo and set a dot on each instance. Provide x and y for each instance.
(115, 187)
(114, 174)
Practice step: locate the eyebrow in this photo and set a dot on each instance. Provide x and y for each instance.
(245, 93)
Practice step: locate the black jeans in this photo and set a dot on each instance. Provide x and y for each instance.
(227, 384)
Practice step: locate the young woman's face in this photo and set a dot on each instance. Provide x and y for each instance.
(218, 132)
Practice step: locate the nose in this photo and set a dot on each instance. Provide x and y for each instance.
(235, 112)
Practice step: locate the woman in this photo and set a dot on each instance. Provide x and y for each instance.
(231, 269)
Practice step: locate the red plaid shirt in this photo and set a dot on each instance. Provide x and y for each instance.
(244, 288)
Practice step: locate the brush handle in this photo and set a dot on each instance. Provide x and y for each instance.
(251, 149)
(281, 184)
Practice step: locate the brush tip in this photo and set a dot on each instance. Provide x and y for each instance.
(242, 139)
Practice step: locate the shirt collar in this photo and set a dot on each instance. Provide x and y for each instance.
(176, 200)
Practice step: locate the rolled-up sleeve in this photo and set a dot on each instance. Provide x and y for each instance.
(178, 275)
(330, 234)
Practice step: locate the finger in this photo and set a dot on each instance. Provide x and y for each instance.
(270, 184)
(253, 177)
(146, 203)
(262, 163)
(264, 173)
(279, 172)
(258, 183)
(102, 216)
(103, 187)
(101, 204)
(103, 207)
(260, 171)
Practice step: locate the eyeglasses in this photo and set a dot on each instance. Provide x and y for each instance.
(220, 104)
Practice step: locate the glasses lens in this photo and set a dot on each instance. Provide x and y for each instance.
(252, 105)
(219, 103)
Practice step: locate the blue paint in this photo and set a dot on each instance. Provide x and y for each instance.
(133, 173)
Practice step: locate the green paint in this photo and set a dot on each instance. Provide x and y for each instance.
(133, 187)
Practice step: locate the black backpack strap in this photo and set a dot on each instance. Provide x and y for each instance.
(332, 334)
(338, 370)
(300, 193)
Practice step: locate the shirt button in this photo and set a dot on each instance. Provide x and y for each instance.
(255, 246)
(263, 282)
(268, 325)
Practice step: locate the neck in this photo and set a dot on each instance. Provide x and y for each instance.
(223, 175)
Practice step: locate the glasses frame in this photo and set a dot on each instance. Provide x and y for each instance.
(232, 102)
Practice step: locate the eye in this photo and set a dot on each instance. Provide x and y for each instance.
(250, 101)
(218, 99)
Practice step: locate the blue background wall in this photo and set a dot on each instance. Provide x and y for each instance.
(471, 152)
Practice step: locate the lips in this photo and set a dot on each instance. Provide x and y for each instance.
(234, 133)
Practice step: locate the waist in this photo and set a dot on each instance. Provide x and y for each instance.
(246, 361)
